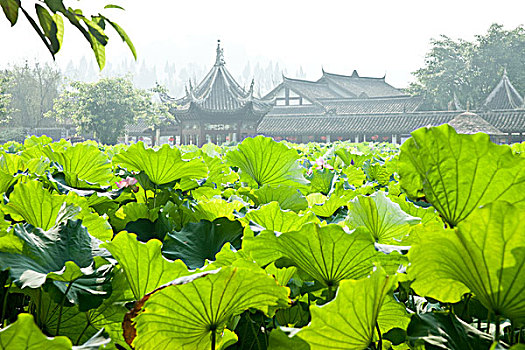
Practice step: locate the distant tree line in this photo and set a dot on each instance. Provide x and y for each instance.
(471, 69)
(38, 96)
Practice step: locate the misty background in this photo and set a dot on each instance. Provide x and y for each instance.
(176, 41)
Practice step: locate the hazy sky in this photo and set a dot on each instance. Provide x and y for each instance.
(375, 37)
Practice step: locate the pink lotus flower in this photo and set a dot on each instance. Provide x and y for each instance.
(322, 164)
(127, 182)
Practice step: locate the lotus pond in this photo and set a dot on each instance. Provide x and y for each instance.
(264, 245)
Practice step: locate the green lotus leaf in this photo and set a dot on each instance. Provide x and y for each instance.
(435, 330)
(219, 173)
(216, 208)
(83, 165)
(281, 341)
(282, 275)
(484, 255)
(262, 248)
(321, 181)
(328, 253)
(192, 312)
(457, 173)
(425, 214)
(288, 197)
(133, 211)
(272, 218)
(352, 157)
(143, 264)
(67, 256)
(383, 219)
(349, 321)
(200, 241)
(98, 226)
(10, 164)
(377, 172)
(264, 161)
(355, 176)
(325, 206)
(25, 335)
(162, 166)
(30, 202)
(80, 326)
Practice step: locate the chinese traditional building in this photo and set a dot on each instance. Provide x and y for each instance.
(339, 107)
(218, 109)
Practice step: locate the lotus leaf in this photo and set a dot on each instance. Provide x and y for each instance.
(484, 255)
(457, 173)
(192, 312)
(263, 161)
(349, 321)
(200, 241)
(143, 264)
(162, 166)
(383, 218)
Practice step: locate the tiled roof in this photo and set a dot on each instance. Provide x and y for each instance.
(219, 93)
(507, 121)
(471, 123)
(360, 86)
(374, 105)
(399, 123)
(504, 96)
(311, 90)
(393, 123)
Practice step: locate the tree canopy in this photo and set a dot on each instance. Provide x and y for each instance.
(105, 107)
(50, 25)
(31, 90)
(461, 71)
(5, 98)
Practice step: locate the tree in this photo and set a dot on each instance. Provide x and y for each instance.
(105, 107)
(5, 98)
(468, 71)
(50, 26)
(32, 90)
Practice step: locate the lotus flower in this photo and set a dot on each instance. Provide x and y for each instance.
(127, 182)
(322, 164)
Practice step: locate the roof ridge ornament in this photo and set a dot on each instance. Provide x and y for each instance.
(250, 92)
(219, 60)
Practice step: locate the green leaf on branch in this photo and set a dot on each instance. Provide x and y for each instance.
(10, 8)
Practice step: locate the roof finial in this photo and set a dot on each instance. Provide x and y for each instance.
(354, 74)
(505, 71)
(251, 86)
(468, 105)
(219, 60)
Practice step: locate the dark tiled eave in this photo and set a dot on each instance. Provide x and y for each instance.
(370, 124)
